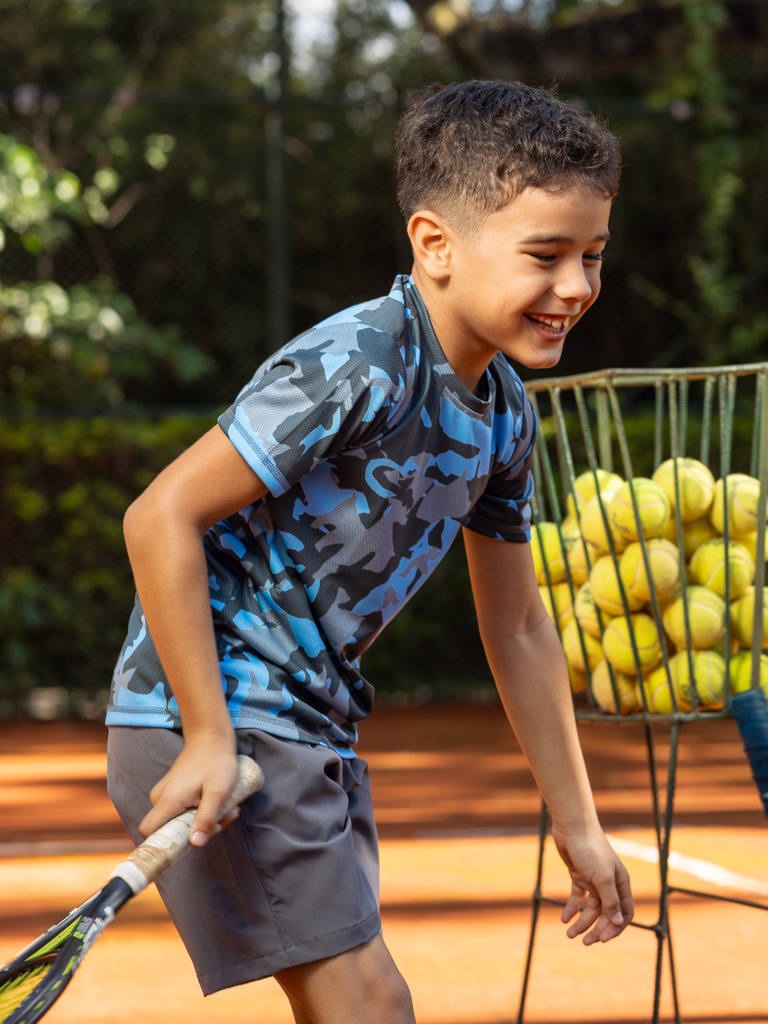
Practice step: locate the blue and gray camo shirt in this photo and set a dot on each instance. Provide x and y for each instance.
(374, 454)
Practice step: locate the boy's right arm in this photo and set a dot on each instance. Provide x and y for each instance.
(164, 531)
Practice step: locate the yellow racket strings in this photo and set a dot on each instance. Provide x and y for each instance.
(14, 991)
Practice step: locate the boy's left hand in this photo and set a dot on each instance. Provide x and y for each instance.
(600, 887)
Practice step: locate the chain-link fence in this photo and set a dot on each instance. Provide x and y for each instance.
(192, 234)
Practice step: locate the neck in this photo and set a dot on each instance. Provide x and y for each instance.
(468, 356)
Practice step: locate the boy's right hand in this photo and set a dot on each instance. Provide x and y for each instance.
(204, 775)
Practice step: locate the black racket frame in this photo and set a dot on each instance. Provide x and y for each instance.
(81, 927)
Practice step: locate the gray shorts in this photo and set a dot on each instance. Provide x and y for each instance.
(293, 880)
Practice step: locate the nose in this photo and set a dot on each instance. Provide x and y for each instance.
(573, 285)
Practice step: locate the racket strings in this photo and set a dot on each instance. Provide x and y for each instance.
(16, 989)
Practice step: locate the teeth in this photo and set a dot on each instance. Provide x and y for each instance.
(551, 323)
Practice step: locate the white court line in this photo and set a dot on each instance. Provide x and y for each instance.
(703, 869)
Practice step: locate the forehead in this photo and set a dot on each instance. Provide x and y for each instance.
(537, 216)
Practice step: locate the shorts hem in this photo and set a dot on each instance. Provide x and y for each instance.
(256, 968)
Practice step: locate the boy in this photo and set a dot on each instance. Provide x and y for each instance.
(271, 554)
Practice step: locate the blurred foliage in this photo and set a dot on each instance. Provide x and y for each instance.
(65, 581)
(72, 348)
(725, 316)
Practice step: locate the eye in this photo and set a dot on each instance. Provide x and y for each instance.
(596, 257)
(543, 257)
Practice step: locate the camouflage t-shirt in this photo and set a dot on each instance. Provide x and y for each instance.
(374, 454)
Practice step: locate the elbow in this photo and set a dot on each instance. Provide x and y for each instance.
(137, 525)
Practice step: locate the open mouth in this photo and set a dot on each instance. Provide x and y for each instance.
(556, 325)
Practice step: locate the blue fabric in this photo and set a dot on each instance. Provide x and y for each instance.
(750, 712)
(375, 454)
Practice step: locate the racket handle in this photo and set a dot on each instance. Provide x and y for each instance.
(751, 715)
(171, 840)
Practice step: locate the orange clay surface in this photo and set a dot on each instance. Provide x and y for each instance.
(457, 811)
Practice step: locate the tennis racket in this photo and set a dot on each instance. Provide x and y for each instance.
(32, 982)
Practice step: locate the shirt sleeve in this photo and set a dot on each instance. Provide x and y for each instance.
(503, 511)
(312, 400)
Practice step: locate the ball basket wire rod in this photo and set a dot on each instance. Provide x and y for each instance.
(673, 387)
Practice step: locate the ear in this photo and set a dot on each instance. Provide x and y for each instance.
(432, 240)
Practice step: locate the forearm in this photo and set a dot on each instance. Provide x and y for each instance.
(532, 679)
(170, 571)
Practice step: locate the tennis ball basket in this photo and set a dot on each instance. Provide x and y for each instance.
(649, 544)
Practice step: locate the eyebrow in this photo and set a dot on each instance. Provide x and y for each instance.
(542, 240)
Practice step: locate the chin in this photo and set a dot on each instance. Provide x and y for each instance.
(539, 360)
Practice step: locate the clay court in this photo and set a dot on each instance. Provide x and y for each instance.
(457, 813)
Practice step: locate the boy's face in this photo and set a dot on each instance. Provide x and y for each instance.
(519, 283)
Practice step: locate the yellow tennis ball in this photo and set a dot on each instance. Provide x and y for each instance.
(750, 543)
(584, 487)
(590, 617)
(695, 533)
(708, 567)
(563, 605)
(741, 672)
(581, 556)
(664, 559)
(577, 679)
(572, 639)
(708, 677)
(546, 537)
(706, 618)
(743, 496)
(602, 690)
(593, 525)
(653, 507)
(658, 693)
(743, 616)
(617, 643)
(695, 483)
(604, 584)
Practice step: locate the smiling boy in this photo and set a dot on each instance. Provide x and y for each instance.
(273, 552)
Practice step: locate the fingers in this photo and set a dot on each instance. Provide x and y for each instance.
(607, 910)
(208, 821)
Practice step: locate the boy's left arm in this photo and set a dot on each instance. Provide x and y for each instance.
(529, 667)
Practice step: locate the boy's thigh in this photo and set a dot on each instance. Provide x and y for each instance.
(292, 881)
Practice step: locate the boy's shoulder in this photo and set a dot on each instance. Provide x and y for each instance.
(368, 337)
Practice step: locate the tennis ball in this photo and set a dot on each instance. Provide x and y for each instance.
(590, 617)
(695, 533)
(584, 487)
(750, 543)
(653, 507)
(695, 483)
(561, 593)
(658, 695)
(604, 584)
(706, 618)
(578, 679)
(741, 672)
(708, 677)
(581, 556)
(572, 638)
(593, 526)
(708, 567)
(602, 690)
(743, 495)
(546, 537)
(664, 559)
(743, 615)
(617, 644)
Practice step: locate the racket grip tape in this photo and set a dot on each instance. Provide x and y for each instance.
(171, 840)
(750, 713)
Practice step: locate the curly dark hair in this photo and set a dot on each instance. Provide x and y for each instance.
(468, 149)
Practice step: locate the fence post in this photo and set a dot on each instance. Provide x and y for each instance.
(278, 192)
